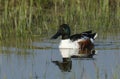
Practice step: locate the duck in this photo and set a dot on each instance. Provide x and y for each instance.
(83, 41)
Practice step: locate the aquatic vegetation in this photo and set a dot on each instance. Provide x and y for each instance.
(38, 17)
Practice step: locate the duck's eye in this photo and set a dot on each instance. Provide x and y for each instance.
(63, 29)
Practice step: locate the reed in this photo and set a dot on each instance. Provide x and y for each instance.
(38, 17)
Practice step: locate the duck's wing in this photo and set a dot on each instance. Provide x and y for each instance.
(82, 35)
(90, 35)
(75, 37)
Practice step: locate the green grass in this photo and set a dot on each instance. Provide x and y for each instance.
(38, 17)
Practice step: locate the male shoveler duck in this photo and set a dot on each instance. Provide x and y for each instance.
(83, 41)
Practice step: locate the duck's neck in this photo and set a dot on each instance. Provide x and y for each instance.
(65, 37)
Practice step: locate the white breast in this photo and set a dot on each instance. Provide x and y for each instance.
(66, 53)
(67, 43)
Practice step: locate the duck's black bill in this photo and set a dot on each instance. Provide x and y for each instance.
(56, 35)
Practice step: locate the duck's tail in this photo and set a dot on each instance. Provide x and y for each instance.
(93, 35)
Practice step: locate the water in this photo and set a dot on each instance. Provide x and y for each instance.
(42, 60)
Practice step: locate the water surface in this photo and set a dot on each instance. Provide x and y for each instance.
(42, 60)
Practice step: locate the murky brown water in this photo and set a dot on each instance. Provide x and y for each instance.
(42, 60)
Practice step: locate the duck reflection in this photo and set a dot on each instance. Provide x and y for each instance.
(66, 64)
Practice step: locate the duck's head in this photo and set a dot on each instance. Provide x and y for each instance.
(64, 31)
